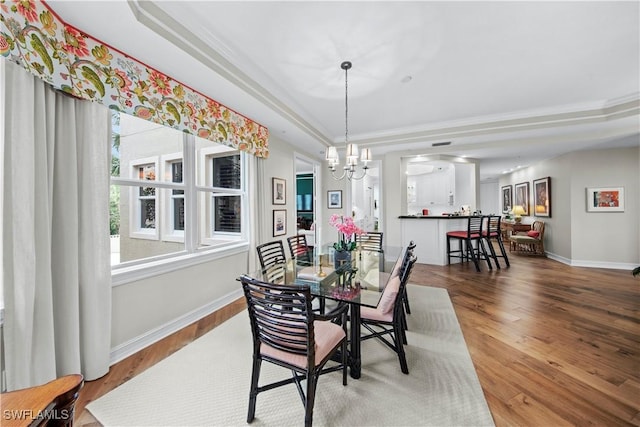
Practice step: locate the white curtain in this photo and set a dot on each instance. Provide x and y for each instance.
(256, 213)
(56, 265)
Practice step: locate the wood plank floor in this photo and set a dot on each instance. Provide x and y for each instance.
(553, 345)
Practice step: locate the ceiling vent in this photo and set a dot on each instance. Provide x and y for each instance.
(440, 144)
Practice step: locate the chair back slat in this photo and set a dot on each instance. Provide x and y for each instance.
(474, 225)
(371, 241)
(280, 316)
(271, 253)
(493, 224)
(298, 247)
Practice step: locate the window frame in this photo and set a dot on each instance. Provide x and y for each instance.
(135, 212)
(207, 235)
(168, 231)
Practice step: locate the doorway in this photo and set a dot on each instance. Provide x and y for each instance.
(306, 192)
(366, 199)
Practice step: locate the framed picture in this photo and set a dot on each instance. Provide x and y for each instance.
(279, 222)
(507, 198)
(522, 197)
(279, 191)
(542, 197)
(605, 199)
(334, 199)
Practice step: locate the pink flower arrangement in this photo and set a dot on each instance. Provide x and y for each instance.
(347, 232)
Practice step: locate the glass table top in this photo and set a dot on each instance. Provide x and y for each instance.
(359, 281)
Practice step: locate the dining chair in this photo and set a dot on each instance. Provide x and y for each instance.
(492, 232)
(386, 322)
(287, 333)
(53, 402)
(271, 253)
(372, 241)
(466, 239)
(298, 247)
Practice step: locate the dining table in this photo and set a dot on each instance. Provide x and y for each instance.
(359, 283)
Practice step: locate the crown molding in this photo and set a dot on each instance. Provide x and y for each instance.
(513, 122)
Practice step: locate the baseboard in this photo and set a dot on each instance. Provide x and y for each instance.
(593, 264)
(138, 343)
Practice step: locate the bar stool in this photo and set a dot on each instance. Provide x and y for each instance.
(493, 232)
(466, 238)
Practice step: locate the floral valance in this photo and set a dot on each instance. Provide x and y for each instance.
(35, 38)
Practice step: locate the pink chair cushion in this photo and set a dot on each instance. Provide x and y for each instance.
(375, 314)
(533, 233)
(397, 266)
(389, 295)
(327, 336)
(463, 235)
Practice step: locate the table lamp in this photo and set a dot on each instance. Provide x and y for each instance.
(518, 211)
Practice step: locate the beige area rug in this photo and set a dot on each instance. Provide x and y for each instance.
(207, 382)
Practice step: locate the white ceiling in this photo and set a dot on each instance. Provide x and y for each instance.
(509, 83)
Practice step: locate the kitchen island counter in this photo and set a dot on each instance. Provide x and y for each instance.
(430, 235)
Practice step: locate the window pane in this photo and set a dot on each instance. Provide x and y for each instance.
(178, 213)
(227, 214)
(226, 172)
(115, 143)
(147, 213)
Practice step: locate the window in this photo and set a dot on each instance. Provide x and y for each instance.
(144, 203)
(222, 195)
(172, 194)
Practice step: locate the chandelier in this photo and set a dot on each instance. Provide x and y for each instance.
(332, 156)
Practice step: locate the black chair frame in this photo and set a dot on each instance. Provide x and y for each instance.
(281, 317)
(392, 333)
(298, 247)
(271, 253)
(466, 250)
(494, 232)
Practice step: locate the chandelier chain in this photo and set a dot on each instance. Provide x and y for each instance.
(346, 106)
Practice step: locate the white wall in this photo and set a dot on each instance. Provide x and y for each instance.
(146, 310)
(490, 198)
(578, 237)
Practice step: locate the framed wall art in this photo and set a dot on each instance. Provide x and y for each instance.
(605, 199)
(279, 191)
(507, 198)
(522, 197)
(279, 222)
(334, 199)
(542, 197)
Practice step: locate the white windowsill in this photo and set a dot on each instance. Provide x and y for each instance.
(125, 275)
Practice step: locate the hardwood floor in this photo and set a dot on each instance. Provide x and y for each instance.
(552, 345)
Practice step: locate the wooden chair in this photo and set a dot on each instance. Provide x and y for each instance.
(271, 253)
(493, 233)
(466, 238)
(386, 322)
(50, 404)
(529, 243)
(299, 248)
(287, 333)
